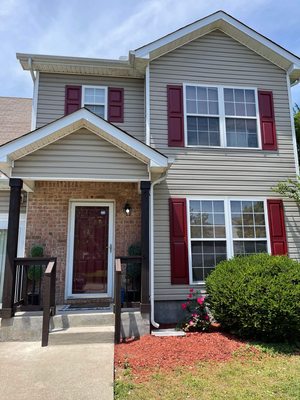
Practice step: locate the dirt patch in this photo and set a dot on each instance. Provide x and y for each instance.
(150, 353)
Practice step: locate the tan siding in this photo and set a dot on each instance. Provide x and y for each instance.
(217, 59)
(4, 202)
(51, 99)
(81, 155)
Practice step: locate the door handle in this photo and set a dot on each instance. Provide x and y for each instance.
(110, 248)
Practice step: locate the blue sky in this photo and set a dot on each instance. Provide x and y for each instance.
(108, 29)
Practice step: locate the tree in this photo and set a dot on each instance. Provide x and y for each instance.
(291, 188)
(297, 126)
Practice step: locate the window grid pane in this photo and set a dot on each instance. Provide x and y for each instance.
(241, 132)
(202, 100)
(207, 219)
(203, 131)
(240, 102)
(205, 256)
(94, 96)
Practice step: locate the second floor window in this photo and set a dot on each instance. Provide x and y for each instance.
(221, 116)
(95, 99)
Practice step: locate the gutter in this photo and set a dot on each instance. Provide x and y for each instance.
(31, 69)
(162, 178)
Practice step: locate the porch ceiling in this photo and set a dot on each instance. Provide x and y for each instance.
(64, 126)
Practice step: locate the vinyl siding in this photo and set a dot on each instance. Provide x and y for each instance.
(51, 99)
(81, 155)
(217, 59)
(4, 202)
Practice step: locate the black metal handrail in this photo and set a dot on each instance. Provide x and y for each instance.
(29, 282)
(121, 261)
(49, 308)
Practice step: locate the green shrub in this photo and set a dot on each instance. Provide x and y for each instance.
(35, 272)
(257, 296)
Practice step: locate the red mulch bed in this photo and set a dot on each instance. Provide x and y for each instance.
(150, 353)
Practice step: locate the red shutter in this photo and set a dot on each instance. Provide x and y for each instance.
(178, 242)
(175, 116)
(115, 104)
(267, 120)
(277, 227)
(72, 99)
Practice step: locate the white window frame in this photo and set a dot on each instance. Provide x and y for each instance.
(221, 116)
(105, 104)
(228, 227)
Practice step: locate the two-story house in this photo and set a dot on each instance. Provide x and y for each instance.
(177, 147)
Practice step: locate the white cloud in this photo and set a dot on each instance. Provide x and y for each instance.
(108, 29)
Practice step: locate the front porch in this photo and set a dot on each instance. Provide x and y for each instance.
(53, 224)
(82, 174)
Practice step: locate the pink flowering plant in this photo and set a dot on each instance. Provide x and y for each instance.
(196, 313)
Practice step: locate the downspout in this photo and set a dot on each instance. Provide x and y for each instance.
(147, 104)
(35, 79)
(162, 178)
(292, 117)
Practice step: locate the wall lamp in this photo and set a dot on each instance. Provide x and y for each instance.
(127, 209)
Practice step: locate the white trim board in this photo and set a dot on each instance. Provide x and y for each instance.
(229, 25)
(70, 248)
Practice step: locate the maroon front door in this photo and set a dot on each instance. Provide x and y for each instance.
(90, 263)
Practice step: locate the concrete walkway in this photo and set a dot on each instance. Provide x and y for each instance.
(60, 372)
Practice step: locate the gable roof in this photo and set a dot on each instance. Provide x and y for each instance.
(136, 62)
(82, 118)
(230, 26)
(15, 117)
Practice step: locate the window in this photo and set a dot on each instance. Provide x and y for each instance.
(202, 107)
(208, 236)
(95, 99)
(219, 116)
(221, 229)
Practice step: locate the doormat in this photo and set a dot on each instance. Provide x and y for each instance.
(87, 307)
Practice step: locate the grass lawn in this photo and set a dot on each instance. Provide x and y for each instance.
(253, 372)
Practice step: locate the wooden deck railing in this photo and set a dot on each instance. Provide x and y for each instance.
(121, 262)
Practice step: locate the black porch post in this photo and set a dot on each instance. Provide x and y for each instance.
(11, 247)
(145, 217)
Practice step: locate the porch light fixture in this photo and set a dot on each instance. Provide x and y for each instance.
(127, 209)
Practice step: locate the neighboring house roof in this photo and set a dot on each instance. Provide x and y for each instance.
(15, 117)
(138, 59)
(68, 124)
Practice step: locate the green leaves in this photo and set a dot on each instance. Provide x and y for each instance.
(290, 188)
(256, 296)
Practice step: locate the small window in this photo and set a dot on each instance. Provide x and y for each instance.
(95, 100)
(218, 116)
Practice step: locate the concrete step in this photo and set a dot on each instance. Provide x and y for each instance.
(82, 335)
(66, 320)
(27, 327)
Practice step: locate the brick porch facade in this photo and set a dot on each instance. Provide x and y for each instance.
(47, 218)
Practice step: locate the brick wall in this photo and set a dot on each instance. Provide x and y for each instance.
(47, 218)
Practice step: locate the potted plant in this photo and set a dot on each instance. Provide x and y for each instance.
(34, 274)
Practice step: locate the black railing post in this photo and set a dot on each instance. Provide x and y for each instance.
(118, 278)
(145, 236)
(48, 299)
(11, 248)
